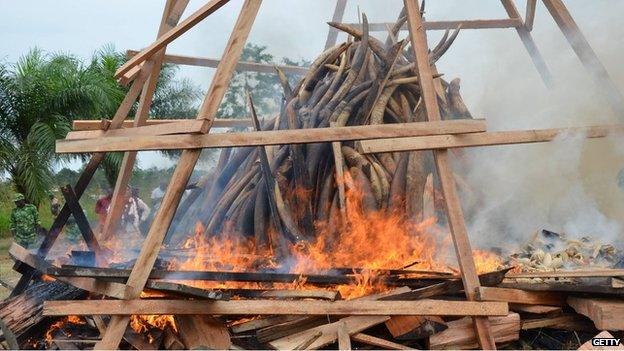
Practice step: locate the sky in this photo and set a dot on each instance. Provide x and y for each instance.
(570, 183)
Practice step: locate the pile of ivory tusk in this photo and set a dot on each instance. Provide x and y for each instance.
(363, 81)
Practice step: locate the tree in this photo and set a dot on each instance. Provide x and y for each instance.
(42, 94)
(265, 87)
(39, 98)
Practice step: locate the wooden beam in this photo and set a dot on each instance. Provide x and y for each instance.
(482, 139)
(586, 54)
(529, 19)
(605, 313)
(241, 66)
(332, 36)
(454, 212)
(152, 129)
(344, 341)
(170, 35)
(97, 286)
(276, 307)
(444, 25)
(563, 322)
(162, 221)
(81, 220)
(520, 296)
(535, 309)
(270, 137)
(529, 44)
(378, 342)
(95, 125)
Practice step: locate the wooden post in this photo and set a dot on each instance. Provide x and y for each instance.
(455, 215)
(71, 200)
(586, 54)
(164, 216)
(529, 19)
(332, 36)
(529, 44)
(171, 16)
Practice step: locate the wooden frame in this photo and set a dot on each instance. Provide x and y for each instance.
(142, 69)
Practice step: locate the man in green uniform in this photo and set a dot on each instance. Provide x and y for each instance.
(24, 222)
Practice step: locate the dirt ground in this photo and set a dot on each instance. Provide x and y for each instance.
(7, 274)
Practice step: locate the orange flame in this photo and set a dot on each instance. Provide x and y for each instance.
(61, 324)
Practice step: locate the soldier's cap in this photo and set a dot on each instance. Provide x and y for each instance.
(18, 197)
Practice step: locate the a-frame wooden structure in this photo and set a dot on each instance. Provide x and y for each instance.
(191, 136)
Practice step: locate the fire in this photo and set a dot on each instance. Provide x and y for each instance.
(143, 323)
(486, 261)
(60, 325)
(372, 241)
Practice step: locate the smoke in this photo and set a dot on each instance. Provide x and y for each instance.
(569, 185)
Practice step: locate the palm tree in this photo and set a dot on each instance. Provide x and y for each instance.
(39, 98)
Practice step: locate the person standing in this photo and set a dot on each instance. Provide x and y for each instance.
(55, 206)
(135, 213)
(24, 222)
(101, 209)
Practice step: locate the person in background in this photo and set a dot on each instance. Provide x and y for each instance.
(135, 212)
(24, 222)
(158, 193)
(55, 206)
(101, 208)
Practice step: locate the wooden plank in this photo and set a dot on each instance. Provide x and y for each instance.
(529, 19)
(89, 284)
(529, 44)
(171, 35)
(261, 322)
(520, 296)
(271, 137)
(461, 336)
(186, 290)
(89, 125)
(607, 272)
(454, 212)
(435, 142)
(171, 16)
(203, 333)
(344, 342)
(162, 221)
(535, 309)
(177, 127)
(340, 179)
(378, 342)
(586, 54)
(277, 307)
(605, 335)
(332, 36)
(241, 66)
(563, 322)
(444, 25)
(605, 313)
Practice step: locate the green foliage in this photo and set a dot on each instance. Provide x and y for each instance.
(39, 98)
